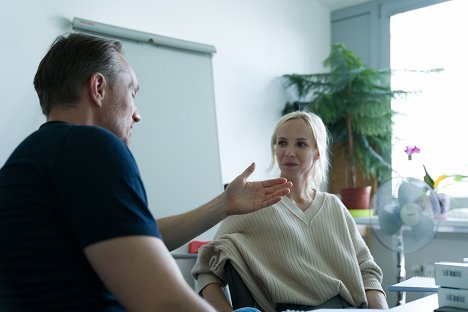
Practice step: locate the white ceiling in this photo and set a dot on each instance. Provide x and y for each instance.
(339, 4)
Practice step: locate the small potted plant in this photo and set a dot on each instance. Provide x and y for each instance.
(354, 101)
(439, 184)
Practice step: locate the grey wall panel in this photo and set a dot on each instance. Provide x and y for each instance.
(176, 142)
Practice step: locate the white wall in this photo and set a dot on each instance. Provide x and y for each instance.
(257, 41)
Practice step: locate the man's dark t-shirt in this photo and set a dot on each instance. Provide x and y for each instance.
(63, 188)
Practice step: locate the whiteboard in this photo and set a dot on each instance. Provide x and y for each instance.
(176, 142)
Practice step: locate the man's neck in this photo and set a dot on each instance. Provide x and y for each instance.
(73, 115)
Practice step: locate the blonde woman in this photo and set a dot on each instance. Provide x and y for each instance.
(304, 252)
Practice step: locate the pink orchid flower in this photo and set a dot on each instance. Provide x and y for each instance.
(411, 150)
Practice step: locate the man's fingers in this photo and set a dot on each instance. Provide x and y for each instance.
(276, 193)
(274, 196)
(284, 186)
(275, 182)
(282, 192)
(247, 172)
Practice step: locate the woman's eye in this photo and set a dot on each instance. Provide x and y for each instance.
(281, 143)
(301, 144)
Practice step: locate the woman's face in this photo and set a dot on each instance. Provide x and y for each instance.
(295, 149)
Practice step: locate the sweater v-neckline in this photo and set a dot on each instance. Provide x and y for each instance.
(309, 214)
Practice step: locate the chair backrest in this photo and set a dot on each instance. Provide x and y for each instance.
(240, 294)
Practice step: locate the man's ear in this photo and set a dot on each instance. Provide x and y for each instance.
(97, 88)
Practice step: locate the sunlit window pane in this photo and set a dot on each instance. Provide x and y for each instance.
(435, 118)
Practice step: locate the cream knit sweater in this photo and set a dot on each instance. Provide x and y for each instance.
(285, 255)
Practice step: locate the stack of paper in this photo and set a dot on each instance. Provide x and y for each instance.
(416, 284)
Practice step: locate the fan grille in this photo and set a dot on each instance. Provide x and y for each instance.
(406, 214)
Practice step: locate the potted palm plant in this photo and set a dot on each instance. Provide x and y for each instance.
(354, 101)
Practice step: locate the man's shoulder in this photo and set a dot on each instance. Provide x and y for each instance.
(81, 143)
(60, 126)
(79, 134)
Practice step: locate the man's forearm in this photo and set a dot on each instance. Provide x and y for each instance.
(180, 229)
(240, 197)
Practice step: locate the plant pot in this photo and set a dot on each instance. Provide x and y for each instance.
(356, 198)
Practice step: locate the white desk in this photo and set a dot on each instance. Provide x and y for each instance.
(426, 304)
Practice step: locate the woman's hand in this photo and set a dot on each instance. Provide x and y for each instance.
(376, 299)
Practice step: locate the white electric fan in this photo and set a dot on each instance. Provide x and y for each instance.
(405, 219)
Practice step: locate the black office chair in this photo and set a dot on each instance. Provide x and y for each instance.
(240, 294)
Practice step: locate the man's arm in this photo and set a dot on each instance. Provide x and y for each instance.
(143, 276)
(240, 197)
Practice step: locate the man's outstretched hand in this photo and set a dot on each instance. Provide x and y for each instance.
(244, 197)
